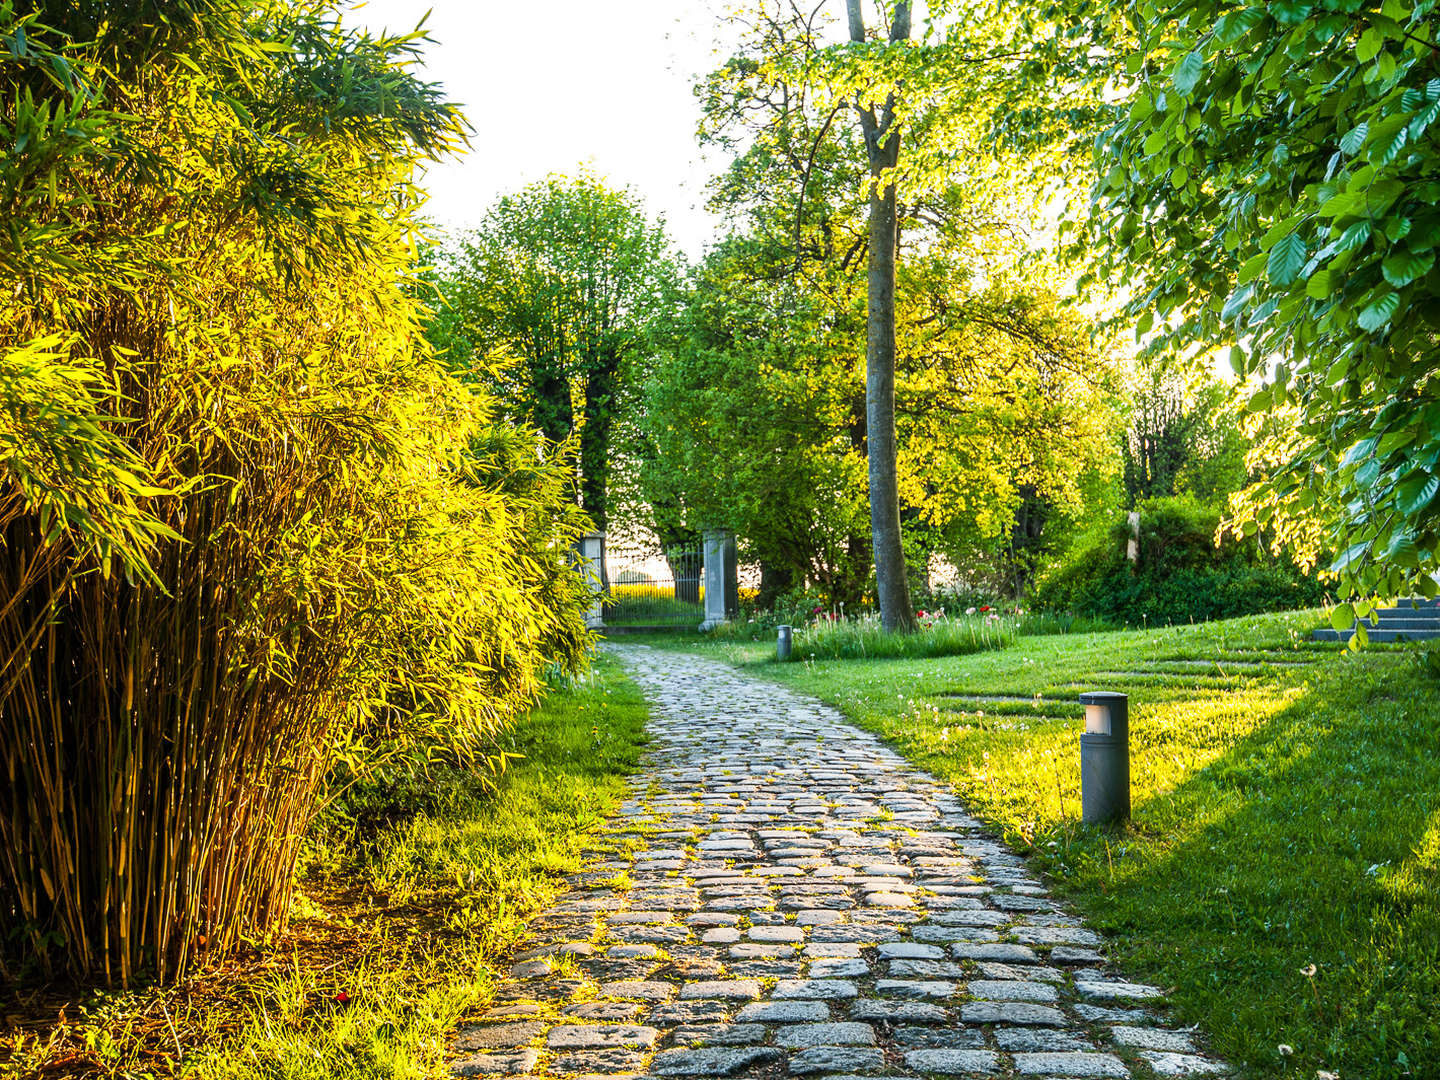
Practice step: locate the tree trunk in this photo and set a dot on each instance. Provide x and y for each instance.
(882, 144)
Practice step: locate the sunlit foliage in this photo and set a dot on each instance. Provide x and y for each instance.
(250, 532)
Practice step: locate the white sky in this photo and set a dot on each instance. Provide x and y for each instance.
(549, 85)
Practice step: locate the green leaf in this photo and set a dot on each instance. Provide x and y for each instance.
(1188, 73)
(1369, 45)
(1320, 285)
(1417, 494)
(1354, 139)
(1341, 204)
(1286, 259)
(1251, 268)
(1404, 266)
(1380, 312)
(1351, 555)
(1342, 617)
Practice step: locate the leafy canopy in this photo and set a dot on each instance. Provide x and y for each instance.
(1273, 186)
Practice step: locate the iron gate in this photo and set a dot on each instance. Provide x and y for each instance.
(654, 586)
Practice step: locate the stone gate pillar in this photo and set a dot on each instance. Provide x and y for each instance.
(592, 568)
(722, 583)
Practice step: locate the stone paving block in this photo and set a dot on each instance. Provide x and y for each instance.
(765, 969)
(971, 918)
(818, 917)
(991, 969)
(607, 1062)
(1054, 935)
(719, 1035)
(829, 1059)
(1106, 991)
(897, 1012)
(1069, 954)
(1148, 1038)
(915, 988)
(1011, 990)
(938, 1037)
(712, 918)
(497, 1064)
(1070, 1065)
(926, 969)
(1168, 1064)
(955, 1062)
(603, 1010)
(841, 1033)
(773, 934)
(909, 950)
(1095, 1014)
(945, 935)
(820, 989)
(833, 949)
(711, 1061)
(1039, 1040)
(838, 969)
(566, 948)
(1006, 954)
(746, 950)
(472, 1037)
(645, 991)
(787, 1012)
(1011, 1012)
(514, 1010)
(688, 1012)
(722, 989)
(600, 1036)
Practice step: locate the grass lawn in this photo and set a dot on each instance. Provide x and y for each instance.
(409, 911)
(1286, 814)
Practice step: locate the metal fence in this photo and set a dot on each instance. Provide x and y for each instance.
(655, 587)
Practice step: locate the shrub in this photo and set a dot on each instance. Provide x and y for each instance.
(1181, 574)
(252, 532)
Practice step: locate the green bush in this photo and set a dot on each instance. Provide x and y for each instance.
(254, 534)
(1181, 575)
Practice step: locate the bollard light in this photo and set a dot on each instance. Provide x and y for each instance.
(782, 643)
(1105, 757)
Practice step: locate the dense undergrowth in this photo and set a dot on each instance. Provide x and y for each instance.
(410, 902)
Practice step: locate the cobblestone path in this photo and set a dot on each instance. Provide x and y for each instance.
(801, 901)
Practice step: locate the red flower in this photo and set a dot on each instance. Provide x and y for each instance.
(985, 608)
(342, 998)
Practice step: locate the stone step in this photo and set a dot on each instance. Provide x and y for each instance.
(1402, 622)
(1378, 635)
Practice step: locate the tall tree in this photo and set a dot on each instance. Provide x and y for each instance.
(808, 183)
(550, 297)
(882, 148)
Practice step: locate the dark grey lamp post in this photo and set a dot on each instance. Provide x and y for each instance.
(1105, 758)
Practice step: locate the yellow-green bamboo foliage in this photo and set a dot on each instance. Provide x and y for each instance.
(249, 530)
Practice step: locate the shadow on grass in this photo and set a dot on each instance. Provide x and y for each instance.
(1312, 840)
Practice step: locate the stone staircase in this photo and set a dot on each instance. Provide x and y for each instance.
(1407, 621)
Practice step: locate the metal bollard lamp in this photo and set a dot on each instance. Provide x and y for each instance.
(1105, 758)
(782, 643)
